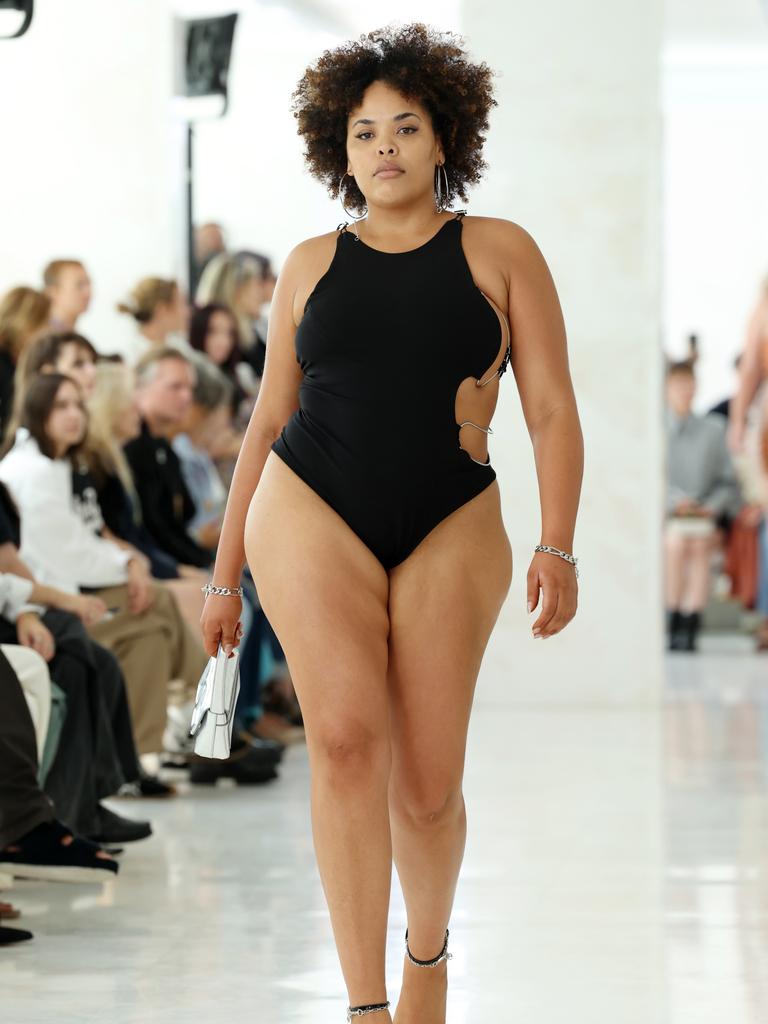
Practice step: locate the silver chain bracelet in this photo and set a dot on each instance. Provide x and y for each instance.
(557, 551)
(209, 588)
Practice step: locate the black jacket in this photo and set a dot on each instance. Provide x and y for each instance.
(166, 505)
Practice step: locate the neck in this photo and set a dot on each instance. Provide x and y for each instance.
(154, 332)
(64, 321)
(406, 224)
(157, 425)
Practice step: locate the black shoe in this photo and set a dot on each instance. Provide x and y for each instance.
(42, 854)
(113, 828)
(10, 935)
(271, 749)
(267, 751)
(148, 786)
(247, 766)
(689, 627)
(675, 636)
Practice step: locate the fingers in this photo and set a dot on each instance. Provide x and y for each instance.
(559, 607)
(548, 607)
(533, 590)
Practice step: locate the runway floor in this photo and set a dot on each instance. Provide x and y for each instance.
(616, 872)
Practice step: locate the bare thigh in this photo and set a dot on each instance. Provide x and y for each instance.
(325, 595)
(444, 600)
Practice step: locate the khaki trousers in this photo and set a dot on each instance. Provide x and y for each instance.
(152, 648)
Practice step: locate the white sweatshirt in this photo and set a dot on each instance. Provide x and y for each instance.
(58, 547)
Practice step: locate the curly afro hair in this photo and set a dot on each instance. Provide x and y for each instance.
(423, 64)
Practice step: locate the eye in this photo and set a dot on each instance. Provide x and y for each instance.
(410, 127)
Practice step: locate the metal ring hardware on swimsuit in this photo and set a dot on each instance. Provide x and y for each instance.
(358, 1011)
(556, 551)
(442, 955)
(209, 588)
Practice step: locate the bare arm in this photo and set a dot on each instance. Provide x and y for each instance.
(540, 365)
(277, 400)
(751, 373)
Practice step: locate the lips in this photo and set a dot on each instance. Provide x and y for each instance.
(388, 171)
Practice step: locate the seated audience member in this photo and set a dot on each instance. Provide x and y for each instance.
(165, 381)
(61, 542)
(93, 684)
(213, 331)
(114, 420)
(68, 286)
(161, 312)
(64, 352)
(701, 486)
(23, 318)
(95, 755)
(34, 843)
(208, 418)
(243, 282)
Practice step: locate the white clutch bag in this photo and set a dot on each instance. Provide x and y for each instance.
(214, 713)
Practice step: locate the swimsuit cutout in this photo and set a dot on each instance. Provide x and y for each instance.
(384, 343)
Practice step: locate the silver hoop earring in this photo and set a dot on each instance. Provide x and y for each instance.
(341, 200)
(442, 196)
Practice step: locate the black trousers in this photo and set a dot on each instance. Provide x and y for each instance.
(23, 805)
(96, 753)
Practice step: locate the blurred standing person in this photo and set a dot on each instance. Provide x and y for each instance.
(68, 286)
(209, 242)
(701, 485)
(161, 311)
(24, 315)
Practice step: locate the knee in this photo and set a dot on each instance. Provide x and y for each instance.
(427, 802)
(349, 750)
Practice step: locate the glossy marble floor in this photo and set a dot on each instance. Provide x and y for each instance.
(616, 872)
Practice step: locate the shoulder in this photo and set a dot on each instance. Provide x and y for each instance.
(308, 253)
(506, 237)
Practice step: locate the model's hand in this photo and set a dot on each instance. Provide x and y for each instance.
(220, 623)
(31, 632)
(557, 580)
(734, 437)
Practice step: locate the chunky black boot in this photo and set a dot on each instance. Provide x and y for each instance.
(675, 636)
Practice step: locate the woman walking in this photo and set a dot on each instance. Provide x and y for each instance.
(364, 498)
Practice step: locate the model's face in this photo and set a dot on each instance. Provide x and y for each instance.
(220, 337)
(388, 126)
(71, 294)
(66, 423)
(78, 363)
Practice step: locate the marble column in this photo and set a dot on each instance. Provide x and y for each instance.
(574, 153)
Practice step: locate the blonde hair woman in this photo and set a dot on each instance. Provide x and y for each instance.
(161, 311)
(114, 419)
(24, 315)
(244, 283)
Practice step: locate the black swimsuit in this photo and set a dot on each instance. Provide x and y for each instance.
(384, 343)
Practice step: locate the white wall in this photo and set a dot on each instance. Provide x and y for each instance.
(87, 149)
(716, 200)
(575, 157)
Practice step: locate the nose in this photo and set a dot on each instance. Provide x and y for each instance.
(387, 150)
